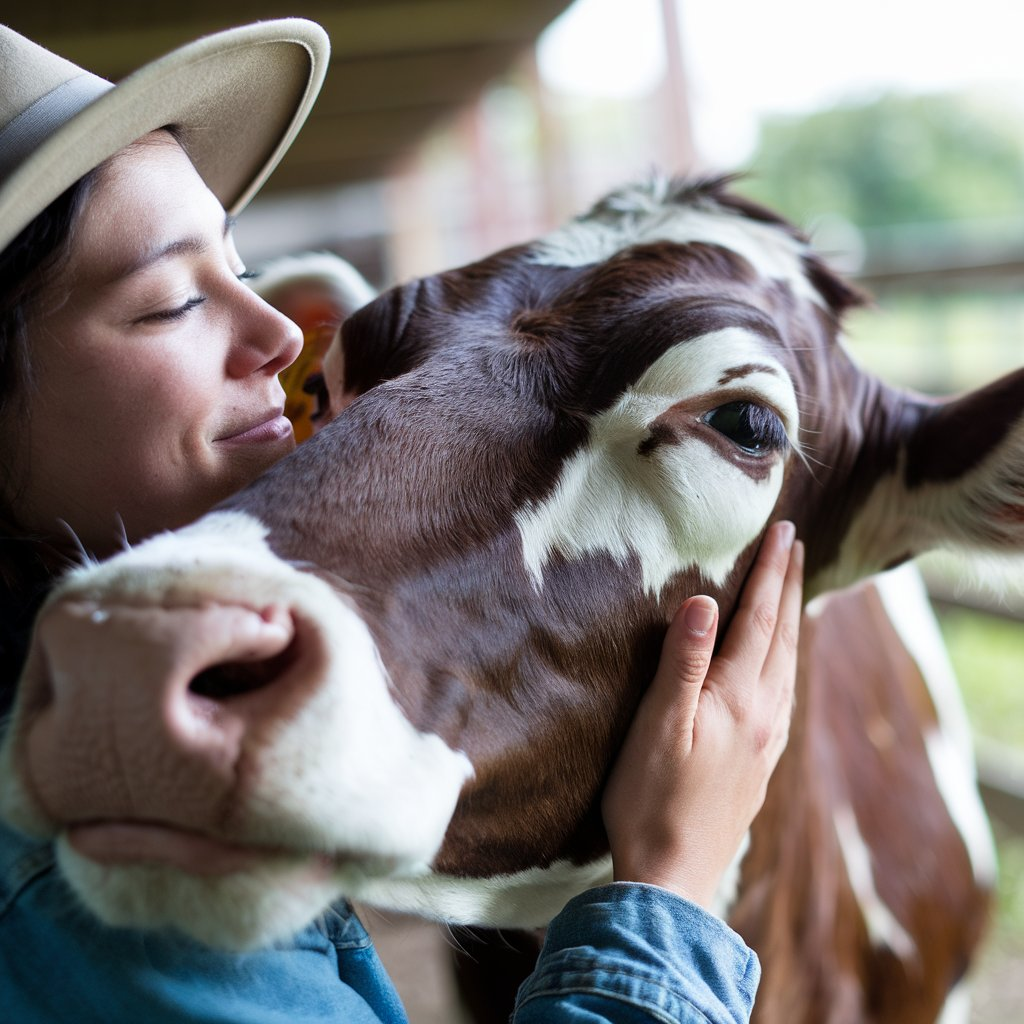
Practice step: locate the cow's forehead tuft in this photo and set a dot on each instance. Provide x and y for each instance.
(663, 210)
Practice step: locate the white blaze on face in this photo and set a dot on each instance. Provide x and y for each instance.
(683, 503)
(646, 215)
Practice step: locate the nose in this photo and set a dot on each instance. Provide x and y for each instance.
(266, 341)
(150, 712)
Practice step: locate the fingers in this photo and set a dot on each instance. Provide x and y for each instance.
(694, 767)
(752, 631)
(685, 657)
(780, 665)
(639, 805)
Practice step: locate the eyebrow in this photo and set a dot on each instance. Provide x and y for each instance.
(189, 246)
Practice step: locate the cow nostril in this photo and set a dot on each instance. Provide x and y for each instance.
(229, 679)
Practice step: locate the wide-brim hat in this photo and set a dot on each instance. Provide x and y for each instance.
(236, 98)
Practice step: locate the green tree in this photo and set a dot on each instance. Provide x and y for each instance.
(897, 159)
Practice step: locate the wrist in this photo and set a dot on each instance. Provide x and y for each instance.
(695, 887)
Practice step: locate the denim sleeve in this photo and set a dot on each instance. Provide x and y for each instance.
(59, 965)
(634, 954)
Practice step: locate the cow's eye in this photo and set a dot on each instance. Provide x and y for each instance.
(753, 428)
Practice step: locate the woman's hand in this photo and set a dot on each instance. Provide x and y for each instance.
(694, 768)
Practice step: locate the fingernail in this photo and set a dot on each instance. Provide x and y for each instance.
(787, 533)
(700, 615)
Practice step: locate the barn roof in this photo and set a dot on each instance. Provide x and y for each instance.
(398, 67)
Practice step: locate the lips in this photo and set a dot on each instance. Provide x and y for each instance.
(271, 426)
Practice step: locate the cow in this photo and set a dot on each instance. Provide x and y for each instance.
(535, 459)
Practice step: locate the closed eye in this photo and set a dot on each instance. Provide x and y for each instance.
(178, 313)
(753, 428)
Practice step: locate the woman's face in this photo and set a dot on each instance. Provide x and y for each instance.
(156, 368)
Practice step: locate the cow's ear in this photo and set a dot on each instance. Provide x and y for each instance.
(957, 481)
(318, 291)
(375, 343)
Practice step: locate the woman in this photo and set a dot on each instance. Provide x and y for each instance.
(138, 381)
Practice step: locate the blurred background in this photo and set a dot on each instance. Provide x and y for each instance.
(891, 130)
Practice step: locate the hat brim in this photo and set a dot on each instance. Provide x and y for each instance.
(236, 98)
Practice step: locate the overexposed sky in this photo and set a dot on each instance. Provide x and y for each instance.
(745, 58)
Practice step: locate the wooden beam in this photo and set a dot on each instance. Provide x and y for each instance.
(330, 174)
(356, 30)
(361, 134)
(449, 76)
(398, 68)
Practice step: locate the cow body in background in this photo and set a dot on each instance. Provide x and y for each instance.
(866, 883)
(540, 455)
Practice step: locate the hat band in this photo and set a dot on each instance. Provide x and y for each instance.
(20, 137)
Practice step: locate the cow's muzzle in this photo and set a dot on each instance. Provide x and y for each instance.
(148, 714)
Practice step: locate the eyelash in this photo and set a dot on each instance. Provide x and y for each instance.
(180, 312)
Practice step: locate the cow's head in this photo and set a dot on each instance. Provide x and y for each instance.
(470, 572)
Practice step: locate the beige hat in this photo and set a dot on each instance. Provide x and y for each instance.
(237, 99)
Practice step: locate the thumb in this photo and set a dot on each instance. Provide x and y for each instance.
(686, 656)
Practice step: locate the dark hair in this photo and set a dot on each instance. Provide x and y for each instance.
(36, 253)
(31, 260)
(27, 564)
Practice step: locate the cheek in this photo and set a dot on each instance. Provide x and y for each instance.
(98, 379)
(112, 427)
(155, 403)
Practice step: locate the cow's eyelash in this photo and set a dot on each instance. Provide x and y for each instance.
(756, 429)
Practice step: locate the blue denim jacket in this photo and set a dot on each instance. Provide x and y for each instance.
(625, 953)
